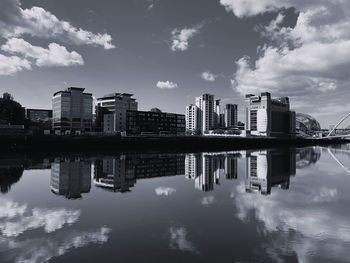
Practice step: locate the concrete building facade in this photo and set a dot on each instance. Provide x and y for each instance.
(266, 116)
(72, 110)
(231, 115)
(205, 103)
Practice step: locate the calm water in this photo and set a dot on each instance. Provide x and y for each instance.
(287, 205)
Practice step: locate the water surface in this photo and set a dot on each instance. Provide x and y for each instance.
(285, 205)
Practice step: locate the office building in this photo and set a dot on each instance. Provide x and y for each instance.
(265, 169)
(155, 122)
(205, 103)
(266, 116)
(38, 115)
(112, 110)
(72, 111)
(70, 177)
(231, 116)
(192, 119)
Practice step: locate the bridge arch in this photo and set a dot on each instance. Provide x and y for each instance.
(336, 126)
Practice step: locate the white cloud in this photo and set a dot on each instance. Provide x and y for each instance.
(166, 85)
(310, 58)
(13, 64)
(180, 38)
(165, 191)
(207, 76)
(55, 55)
(38, 22)
(178, 239)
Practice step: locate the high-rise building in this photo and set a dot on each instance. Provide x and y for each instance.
(72, 110)
(192, 119)
(112, 109)
(217, 112)
(269, 117)
(231, 115)
(206, 105)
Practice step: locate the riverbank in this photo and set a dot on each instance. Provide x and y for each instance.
(154, 143)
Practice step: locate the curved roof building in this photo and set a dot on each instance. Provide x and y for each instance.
(306, 123)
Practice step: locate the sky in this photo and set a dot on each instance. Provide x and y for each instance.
(167, 52)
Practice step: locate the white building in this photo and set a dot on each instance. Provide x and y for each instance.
(206, 105)
(72, 110)
(112, 109)
(269, 117)
(192, 119)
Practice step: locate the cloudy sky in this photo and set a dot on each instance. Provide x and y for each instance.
(167, 52)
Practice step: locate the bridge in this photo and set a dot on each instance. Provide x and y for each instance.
(336, 126)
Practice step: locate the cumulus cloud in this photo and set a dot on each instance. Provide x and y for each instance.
(165, 191)
(10, 65)
(311, 57)
(54, 55)
(166, 85)
(16, 22)
(180, 38)
(207, 76)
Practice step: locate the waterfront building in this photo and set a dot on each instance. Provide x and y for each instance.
(192, 119)
(70, 177)
(72, 110)
(38, 115)
(217, 112)
(266, 116)
(265, 169)
(112, 110)
(231, 115)
(154, 122)
(205, 103)
(307, 125)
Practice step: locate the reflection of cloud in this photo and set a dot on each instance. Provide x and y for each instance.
(44, 249)
(178, 239)
(10, 209)
(300, 218)
(165, 191)
(51, 220)
(208, 200)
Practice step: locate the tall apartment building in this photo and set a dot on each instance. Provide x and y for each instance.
(205, 103)
(269, 117)
(112, 109)
(231, 115)
(72, 110)
(192, 119)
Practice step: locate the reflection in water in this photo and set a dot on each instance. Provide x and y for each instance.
(120, 173)
(310, 219)
(70, 177)
(207, 168)
(11, 171)
(269, 168)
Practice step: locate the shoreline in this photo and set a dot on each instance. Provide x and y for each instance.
(29, 144)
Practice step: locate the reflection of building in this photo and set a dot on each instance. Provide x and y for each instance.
(306, 124)
(307, 156)
(269, 117)
(207, 169)
(72, 110)
(269, 168)
(70, 177)
(120, 173)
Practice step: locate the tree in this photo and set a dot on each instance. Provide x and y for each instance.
(11, 111)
